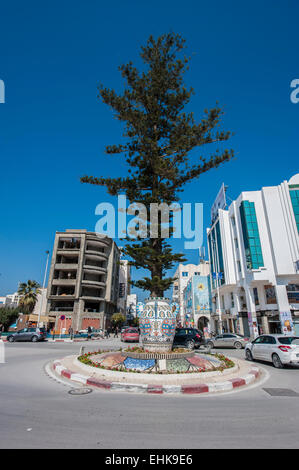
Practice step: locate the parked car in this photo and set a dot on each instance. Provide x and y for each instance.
(98, 333)
(28, 334)
(189, 338)
(228, 340)
(130, 334)
(84, 331)
(275, 348)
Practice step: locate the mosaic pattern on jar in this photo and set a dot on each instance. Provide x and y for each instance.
(158, 322)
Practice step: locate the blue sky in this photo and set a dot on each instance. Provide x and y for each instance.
(53, 129)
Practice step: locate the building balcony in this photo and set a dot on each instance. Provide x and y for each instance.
(64, 282)
(94, 240)
(61, 309)
(92, 297)
(67, 251)
(62, 296)
(66, 266)
(87, 282)
(95, 255)
(91, 267)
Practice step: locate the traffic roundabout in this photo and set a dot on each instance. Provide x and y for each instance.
(178, 373)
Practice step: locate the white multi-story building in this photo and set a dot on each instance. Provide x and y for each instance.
(10, 300)
(182, 275)
(41, 302)
(131, 304)
(254, 256)
(13, 300)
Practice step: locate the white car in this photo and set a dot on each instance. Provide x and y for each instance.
(278, 349)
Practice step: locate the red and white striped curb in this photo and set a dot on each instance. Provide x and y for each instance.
(59, 340)
(226, 386)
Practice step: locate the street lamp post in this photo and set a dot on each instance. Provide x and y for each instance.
(44, 283)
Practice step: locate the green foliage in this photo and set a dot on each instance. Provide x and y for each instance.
(9, 316)
(28, 292)
(135, 322)
(159, 137)
(118, 319)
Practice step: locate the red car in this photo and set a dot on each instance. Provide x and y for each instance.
(130, 334)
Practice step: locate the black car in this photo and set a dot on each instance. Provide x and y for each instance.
(189, 338)
(28, 334)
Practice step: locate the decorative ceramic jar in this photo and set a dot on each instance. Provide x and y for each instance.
(157, 324)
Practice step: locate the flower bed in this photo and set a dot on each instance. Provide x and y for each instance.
(188, 367)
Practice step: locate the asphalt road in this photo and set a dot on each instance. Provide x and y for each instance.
(38, 412)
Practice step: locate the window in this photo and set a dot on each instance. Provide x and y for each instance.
(252, 243)
(239, 266)
(184, 274)
(181, 332)
(270, 295)
(269, 340)
(259, 340)
(289, 340)
(293, 293)
(256, 297)
(294, 194)
(236, 243)
(216, 255)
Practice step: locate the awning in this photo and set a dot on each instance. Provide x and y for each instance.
(44, 319)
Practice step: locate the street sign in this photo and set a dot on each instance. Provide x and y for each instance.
(62, 317)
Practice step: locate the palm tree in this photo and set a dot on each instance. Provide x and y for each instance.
(28, 291)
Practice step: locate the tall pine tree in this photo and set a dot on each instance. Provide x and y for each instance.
(159, 137)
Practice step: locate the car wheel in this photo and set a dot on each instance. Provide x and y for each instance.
(11, 339)
(238, 345)
(210, 344)
(34, 339)
(190, 345)
(277, 362)
(248, 355)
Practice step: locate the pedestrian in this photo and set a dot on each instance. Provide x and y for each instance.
(106, 334)
(71, 332)
(116, 332)
(89, 331)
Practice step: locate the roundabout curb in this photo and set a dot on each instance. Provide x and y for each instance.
(155, 389)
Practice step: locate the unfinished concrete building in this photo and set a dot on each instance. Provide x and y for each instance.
(83, 281)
